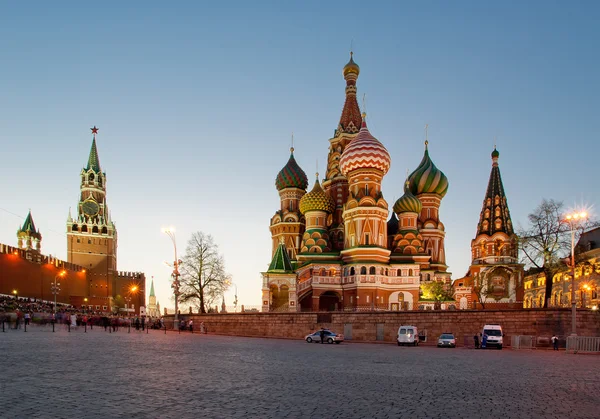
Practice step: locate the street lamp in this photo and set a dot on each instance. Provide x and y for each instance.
(16, 294)
(175, 274)
(55, 288)
(573, 219)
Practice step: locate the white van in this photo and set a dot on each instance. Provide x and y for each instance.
(494, 335)
(408, 335)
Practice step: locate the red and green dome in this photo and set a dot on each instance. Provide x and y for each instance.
(365, 152)
(317, 200)
(427, 178)
(407, 202)
(291, 176)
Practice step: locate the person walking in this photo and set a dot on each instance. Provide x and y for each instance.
(476, 340)
(322, 334)
(191, 325)
(555, 342)
(484, 341)
(27, 318)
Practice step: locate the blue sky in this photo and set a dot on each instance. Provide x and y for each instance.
(196, 103)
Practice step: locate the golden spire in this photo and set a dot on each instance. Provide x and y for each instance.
(292, 147)
(426, 136)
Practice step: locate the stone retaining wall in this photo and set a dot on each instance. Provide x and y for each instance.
(363, 326)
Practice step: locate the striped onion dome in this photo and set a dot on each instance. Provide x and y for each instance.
(408, 202)
(427, 178)
(291, 176)
(317, 200)
(365, 152)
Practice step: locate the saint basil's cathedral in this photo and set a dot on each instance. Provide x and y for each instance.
(336, 247)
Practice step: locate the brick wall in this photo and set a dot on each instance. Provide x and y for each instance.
(464, 323)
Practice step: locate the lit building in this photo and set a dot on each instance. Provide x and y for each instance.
(495, 275)
(335, 247)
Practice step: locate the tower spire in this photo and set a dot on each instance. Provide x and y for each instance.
(152, 288)
(350, 119)
(94, 160)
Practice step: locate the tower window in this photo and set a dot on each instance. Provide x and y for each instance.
(372, 270)
(78, 240)
(366, 239)
(89, 241)
(363, 270)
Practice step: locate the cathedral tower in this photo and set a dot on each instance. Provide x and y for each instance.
(29, 238)
(335, 183)
(494, 250)
(91, 235)
(364, 163)
(429, 185)
(287, 225)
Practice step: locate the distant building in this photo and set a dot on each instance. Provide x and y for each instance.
(587, 278)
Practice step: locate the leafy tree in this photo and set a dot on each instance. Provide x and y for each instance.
(546, 241)
(436, 291)
(481, 291)
(203, 276)
(118, 302)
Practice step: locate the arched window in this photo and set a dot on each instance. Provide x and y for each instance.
(91, 177)
(399, 272)
(352, 271)
(372, 270)
(95, 229)
(410, 272)
(363, 270)
(84, 229)
(75, 228)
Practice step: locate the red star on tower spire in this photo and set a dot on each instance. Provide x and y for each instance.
(94, 130)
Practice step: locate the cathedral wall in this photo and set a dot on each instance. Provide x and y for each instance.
(464, 323)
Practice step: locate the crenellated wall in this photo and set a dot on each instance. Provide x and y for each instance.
(463, 323)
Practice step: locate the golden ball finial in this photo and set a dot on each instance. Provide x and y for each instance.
(351, 67)
(291, 149)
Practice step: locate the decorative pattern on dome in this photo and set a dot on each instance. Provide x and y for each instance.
(317, 200)
(365, 151)
(315, 241)
(427, 178)
(291, 176)
(408, 202)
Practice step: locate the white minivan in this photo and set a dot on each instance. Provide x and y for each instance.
(494, 335)
(408, 335)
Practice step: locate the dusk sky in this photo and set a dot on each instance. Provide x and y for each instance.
(196, 102)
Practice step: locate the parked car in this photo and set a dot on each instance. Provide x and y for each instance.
(408, 335)
(328, 336)
(494, 336)
(446, 340)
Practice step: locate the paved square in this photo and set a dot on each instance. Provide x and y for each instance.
(137, 375)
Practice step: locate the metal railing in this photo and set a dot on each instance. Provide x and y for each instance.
(584, 344)
(522, 342)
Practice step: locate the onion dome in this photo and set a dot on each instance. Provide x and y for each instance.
(291, 176)
(427, 178)
(495, 153)
(408, 202)
(365, 152)
(351, 67)
(317, 200)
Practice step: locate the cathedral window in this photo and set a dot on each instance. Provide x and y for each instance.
(366, 239)
(487, 213)
(363, 270)
(398, 272)
(352, 271)
(372, 270)
(104, 230)
(498, 224)
(95, 229)
(410, 272)
(78, 240)
(89, 241)
(368, 298)
(497, 212)
(84, 229)
(91, 177)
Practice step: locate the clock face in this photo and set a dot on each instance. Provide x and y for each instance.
(90, 208)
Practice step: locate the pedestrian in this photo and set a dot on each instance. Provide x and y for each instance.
(476, 340)
(27, 318)
(555, 342)
(191, 324)
(322, 334)
(484, 341)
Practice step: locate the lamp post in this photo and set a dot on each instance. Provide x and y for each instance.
(573, 219)
(55, 288)
(16, 294)
(175, 274)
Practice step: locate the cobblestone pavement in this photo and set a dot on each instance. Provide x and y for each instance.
(152, 375)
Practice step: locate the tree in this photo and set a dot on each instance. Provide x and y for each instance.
(203, 276)
(480, 289)
(118, 302)
(436, 291)
(547, 240)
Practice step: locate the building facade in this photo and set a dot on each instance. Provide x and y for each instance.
(495, 275)
(336, 247)
(89, 277)
(587, 278)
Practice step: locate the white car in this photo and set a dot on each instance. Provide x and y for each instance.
(446, 340)
(408, 335)
(494, 336)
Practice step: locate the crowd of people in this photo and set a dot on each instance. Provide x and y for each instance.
(19, 312)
